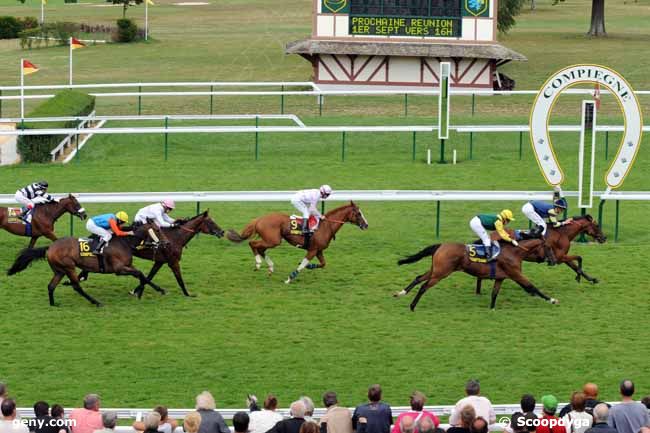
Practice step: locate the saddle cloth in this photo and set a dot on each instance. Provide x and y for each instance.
(87, 246)
(14, 215)
(295, 224)
(476, 252)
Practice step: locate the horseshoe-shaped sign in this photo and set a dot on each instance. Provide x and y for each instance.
(541, 113)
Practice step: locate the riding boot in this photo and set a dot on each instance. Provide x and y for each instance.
(99, 249)
(306, 233)
(488, 253)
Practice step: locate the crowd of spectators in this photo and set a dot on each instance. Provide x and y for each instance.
(473, 413)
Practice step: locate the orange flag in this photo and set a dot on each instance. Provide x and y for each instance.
(76, 43)
(29, 67)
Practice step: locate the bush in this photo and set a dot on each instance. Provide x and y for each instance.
(62, 30)
(127, 31)
(9, 27)
(68, 103)
(27, 23)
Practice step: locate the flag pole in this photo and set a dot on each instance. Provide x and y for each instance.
(22, 90)
(42, 12)
(146, 20)
(70, 79)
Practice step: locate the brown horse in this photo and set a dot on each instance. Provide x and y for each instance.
(272, 228)
(559, 240)
(178, 237)
(64, 257)
(452, 257)
(43, 218)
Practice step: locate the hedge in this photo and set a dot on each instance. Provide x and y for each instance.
(68, 103)
(10, 27)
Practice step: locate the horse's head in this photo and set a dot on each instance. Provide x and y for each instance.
(208, 226)
(592, 228)
(355, 216)
(70, 204)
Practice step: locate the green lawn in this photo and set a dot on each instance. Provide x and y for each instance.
(336, 328)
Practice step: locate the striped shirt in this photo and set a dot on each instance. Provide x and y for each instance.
(35, 190)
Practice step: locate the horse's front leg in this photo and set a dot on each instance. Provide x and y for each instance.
(578, 268)
(479, 281)
(32, 242)
(303, 264)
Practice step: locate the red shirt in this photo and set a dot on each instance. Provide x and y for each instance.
(413, 414)
(545, 425)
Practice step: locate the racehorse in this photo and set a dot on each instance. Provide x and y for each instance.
(178, 238)
(43, 218)
(452, 257)
(559, 240)
(64, 256)
(272, 228)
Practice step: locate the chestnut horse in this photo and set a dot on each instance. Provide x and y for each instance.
(559, 240)
(43, 218)
(178, 238)
(272, 228)
(452, 257)
(64, 257)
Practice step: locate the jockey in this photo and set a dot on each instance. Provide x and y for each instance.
(483, 222)
(537, 211)
(306, 201)
(157, 212)
(103, 225)
(31, 195)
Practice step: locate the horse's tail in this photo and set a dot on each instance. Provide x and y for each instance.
(419, 256)
(248, 231)
(25, 258)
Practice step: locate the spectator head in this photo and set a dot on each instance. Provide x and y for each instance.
(627, 388)
(162, 410)
(518, 422)
(590, 390)
(91, 402)
(3, 390)
(297, 409)
(309, 427)
(205, 401)
(330, 399)
(240, 422)
(601, 413)
(374, 393)
(417, 401)
(309, 405)
(41, 409)
(152, 421)
(644, 430)
(407, 424)
(578, 401)
(472, 387)
(271, 402)
(192, 422)
(57, 411)
(109, 419)
(550, 404)
(479, 425)
(467, 416)
(646, 401)
(528, 403)
(8, 408)
(425, 425)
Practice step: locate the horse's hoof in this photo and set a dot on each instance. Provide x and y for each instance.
(270, 273)
(578, 279)
(287, 281)
(163, 292)
(554, 301)
(595, 281)
(400, 293)
(133, 293)
(412, 307)
(191, 295)
(56, 304)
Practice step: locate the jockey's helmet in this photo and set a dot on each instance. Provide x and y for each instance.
(122, 216)
(168, 203)
(42, 183)
(325, 191)
(561, 203)
(506, 215)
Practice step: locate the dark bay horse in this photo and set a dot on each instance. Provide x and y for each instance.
(178, 237)
(43, 218)
(272, 228)
(64, 257)
(452, 257)
(559, 240)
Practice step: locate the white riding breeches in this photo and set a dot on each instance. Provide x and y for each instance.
(93, 228)
(477, 227)
(529, 211)
(302, 208)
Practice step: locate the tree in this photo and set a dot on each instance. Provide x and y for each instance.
(508, 9)
(597, 27)
(125, 4)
